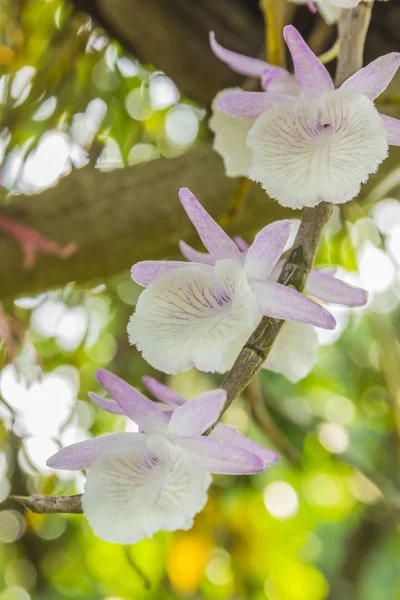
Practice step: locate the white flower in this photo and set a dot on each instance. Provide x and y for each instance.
(201, 313)
(324, 143)
(141, 483)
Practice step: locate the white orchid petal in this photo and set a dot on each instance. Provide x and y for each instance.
(245, 65)
(392, 127)
(282, 302)
(217, 456)
(266, 250)
(131, 495)
(310, 72)
(294, 352)
(329, 12)
(279, 81)
(162, 392)
(250, 105)
(80, 456)
(230, 435)
(230, 137)
(106, 404)
(194, 255)
(308, 152)
(326, 287)
(188, 317)
(373, 79)
(197, 415)
(214, 238)
(135, 405)
(145, 271)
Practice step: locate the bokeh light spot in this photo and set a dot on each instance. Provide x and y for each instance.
(281, 500)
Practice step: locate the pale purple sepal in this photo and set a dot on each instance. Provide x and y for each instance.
(134, 404)
(311, 6)
(197, 415)
(162, 392)
(392, 127)
(310, 72)
(241, 243)
(373, 79)
(245, 65)
(80, 456)
(194, 255)
(230, 435)
(218, 457)
(266, 250)
(270, 74)
(145, 271)
(327, 288)
(214, 238)
(282, 302)
(250, 105)
(106, 404)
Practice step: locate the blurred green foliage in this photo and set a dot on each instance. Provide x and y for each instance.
(325, 529)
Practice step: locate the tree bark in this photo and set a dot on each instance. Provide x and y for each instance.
(173, 35)
(120, 217)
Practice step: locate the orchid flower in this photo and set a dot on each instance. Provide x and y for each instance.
(141, 483)
(294, 352)
(201, 313)
(329, 9)
(321, 145)
(231, 132)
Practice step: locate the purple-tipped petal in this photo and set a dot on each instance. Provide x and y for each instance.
(241, 243)
(310, 72)
(245, 65)
(327, 288)
(162, 392)
(145, 271)
(230, 435)
(194, 255)
(214, 238)
(134, 404)
(250, 105)
(82, 455)
(266, 250)
(373, 79)
(219, 457)
(311, 6)
(282, 302)
(106, 404)
(392, 127)
(197, 415)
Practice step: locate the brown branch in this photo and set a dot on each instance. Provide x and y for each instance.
(353, 26)
(42, 504)
(294, 273)
(119, 217)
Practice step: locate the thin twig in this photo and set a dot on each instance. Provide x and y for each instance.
(294, 273)
(353, 27)
(263, 418)
(42, 504)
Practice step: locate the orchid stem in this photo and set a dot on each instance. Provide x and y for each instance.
(352, 32)
(42, 504)
(274, 17)
(330, 54)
